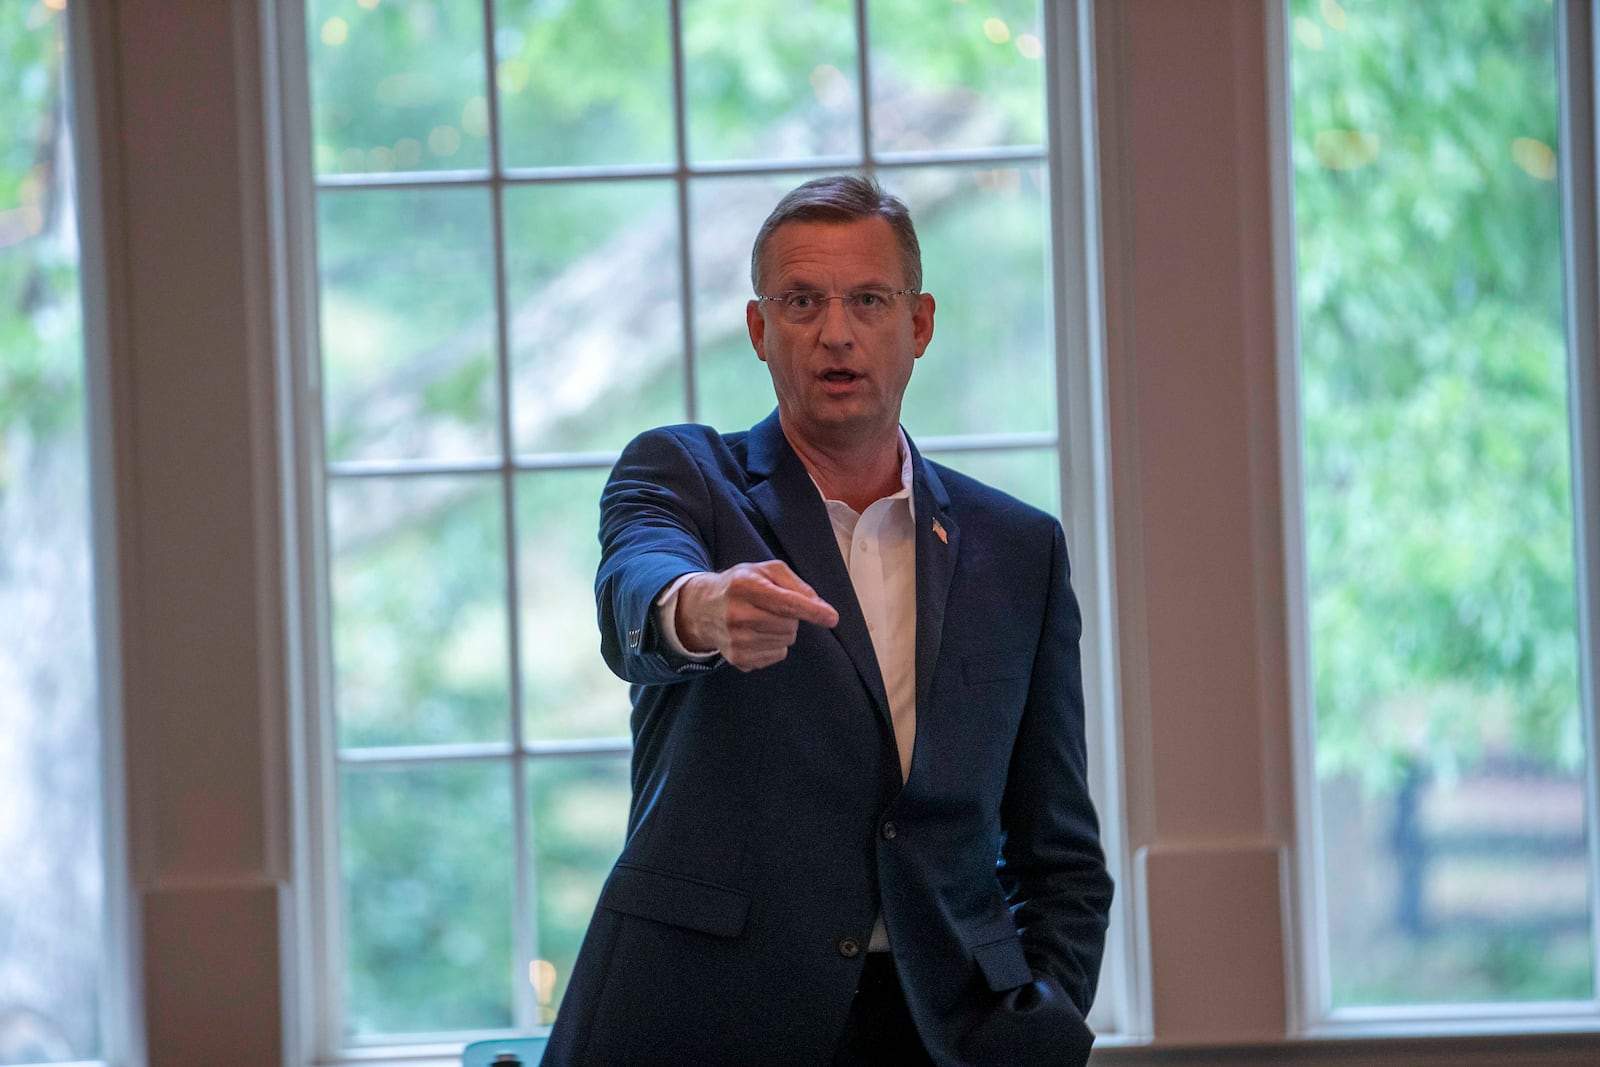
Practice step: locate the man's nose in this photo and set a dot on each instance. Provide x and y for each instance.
(838, 328)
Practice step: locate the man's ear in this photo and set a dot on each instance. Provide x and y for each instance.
(922, 322)
(757, 327)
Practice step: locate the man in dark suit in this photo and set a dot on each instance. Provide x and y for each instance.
(861, 831)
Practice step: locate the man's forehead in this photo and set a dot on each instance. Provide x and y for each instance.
(859, 244)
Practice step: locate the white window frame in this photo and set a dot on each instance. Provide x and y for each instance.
(1080, 443)
(1312, 1012)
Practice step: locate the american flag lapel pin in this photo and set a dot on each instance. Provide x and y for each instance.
(939, 531)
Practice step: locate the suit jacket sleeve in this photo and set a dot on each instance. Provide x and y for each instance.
(656, 522)
(1052, 867)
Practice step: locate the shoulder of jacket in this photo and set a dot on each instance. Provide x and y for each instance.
(692, 435)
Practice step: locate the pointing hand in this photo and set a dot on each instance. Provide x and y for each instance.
(750, 612)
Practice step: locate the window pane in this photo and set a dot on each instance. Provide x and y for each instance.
(419, 610)
(578, 813)
(568, 692)
(408, 329)
(51, 877)
(1031, 475)
(956, 75)
(771, 80)
(1438, 502)
(587, 83)
(397, 85)
(596, 330)
(427, 897)
(985, 241)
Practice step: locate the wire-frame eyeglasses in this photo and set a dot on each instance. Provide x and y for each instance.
(804, 306)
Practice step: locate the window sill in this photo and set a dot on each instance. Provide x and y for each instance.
(1459, 1043)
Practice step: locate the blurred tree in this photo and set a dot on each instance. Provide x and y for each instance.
(51, 876)
(41, 373)
(1434, 385)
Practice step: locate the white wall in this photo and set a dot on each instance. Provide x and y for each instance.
(180, 146)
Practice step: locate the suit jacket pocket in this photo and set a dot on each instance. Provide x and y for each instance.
(995, 667)
(676, 899)
(1003, 963)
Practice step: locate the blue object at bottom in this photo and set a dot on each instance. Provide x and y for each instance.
(527, 1050)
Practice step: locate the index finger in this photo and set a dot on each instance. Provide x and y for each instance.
(809, 607)
(781, 574)
(796, 601)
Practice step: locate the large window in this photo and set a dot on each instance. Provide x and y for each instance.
(51, 871)
(532, 225)
(1451, 868)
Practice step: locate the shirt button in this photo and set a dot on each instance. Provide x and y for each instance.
(889, 831)
(849, 947)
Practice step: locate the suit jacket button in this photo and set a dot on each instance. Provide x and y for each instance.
(889, 831)
(849, 948)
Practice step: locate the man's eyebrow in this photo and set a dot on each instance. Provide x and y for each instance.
(800, 284)
(803, 284)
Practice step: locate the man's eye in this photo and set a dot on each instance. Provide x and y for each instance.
(802, 301)
(870, 299)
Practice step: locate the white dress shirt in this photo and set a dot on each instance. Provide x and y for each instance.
(879, 547)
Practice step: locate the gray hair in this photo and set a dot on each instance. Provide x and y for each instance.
(842, 198)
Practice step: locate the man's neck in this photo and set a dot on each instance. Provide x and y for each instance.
(859, 473)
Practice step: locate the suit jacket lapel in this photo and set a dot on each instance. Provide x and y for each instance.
(788, 499)
(936, 565)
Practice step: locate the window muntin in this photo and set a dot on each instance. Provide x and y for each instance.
(52, 906)
(491, 335)
(1450, 835)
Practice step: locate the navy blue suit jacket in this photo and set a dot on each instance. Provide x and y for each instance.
(769, 824)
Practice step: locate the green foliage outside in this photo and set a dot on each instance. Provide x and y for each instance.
(1434, 385)
(51, 876)
(427, 897)
(41, 374)
(425, 660)
(1438, 495)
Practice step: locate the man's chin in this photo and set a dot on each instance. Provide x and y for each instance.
(838, 427)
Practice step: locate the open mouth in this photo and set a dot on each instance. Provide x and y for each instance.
(839, 376)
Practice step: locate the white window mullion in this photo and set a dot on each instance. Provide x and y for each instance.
(1309, 997)
(524, 930)
(321, 1004)
(681, 175)
(989, 442)
(1578, 65)
(864, 83)
(326, 764)
(427, 179)
(121, 1027)
(1081, 445)
(691, 402)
